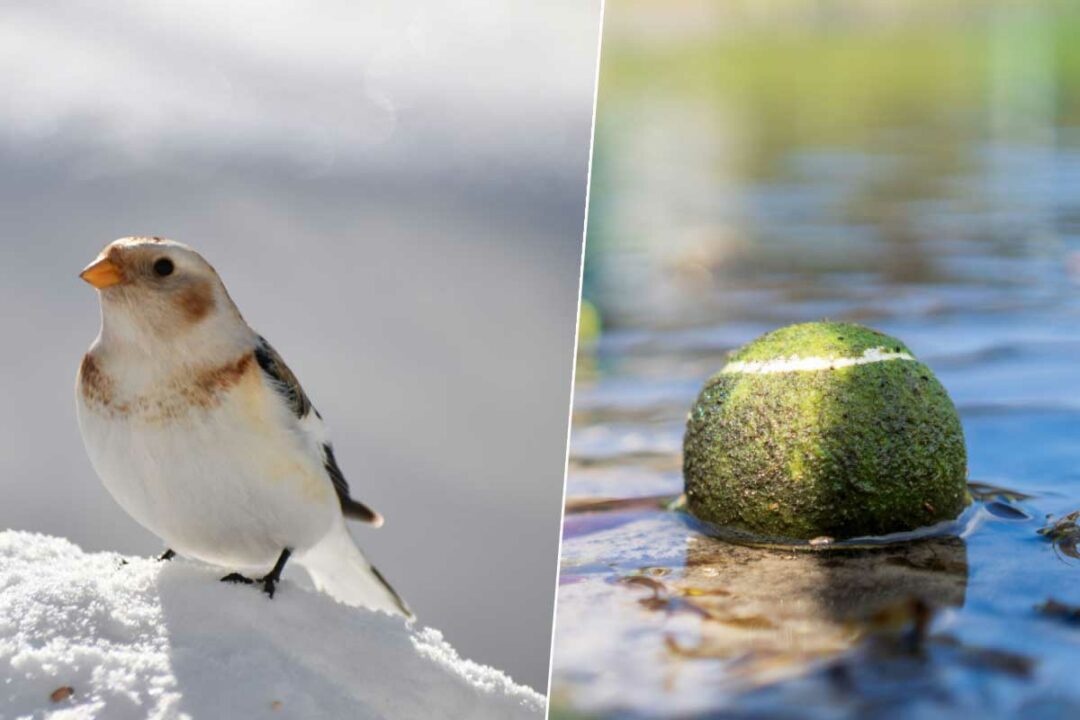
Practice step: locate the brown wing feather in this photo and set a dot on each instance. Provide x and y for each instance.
(288, 386)
(284, 380)
(352, 508)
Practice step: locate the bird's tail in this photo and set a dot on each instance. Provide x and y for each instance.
(338, 568)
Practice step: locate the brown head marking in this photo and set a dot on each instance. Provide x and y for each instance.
(197, 301)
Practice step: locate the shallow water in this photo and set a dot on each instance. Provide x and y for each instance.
(655, 616)
(964, 243)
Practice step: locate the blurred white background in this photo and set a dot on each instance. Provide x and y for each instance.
(393, 193)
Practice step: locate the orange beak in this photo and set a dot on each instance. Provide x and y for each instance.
(102, 273)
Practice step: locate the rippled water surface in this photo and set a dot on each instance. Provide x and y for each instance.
(931, 225)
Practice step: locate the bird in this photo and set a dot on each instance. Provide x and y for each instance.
(204, 436)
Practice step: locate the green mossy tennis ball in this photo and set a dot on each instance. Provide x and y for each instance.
(824, 429)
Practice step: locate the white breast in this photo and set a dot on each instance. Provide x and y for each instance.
(224, 477)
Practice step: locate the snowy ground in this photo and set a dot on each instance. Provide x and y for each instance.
(104, 636)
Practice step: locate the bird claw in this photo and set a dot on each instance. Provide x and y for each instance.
(237, 578)
(268, 582)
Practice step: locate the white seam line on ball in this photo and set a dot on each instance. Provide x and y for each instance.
(810, 364)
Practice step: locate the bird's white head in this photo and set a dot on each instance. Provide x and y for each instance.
(159, 295)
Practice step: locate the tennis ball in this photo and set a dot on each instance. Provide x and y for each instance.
(824, 429)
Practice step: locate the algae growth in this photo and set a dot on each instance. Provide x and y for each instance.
(844, 452)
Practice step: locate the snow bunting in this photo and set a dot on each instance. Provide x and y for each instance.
(201, 433)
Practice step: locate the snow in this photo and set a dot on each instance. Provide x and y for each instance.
(137, 638)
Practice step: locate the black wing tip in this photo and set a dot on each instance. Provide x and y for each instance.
(398, 600)
(352, 509)
(359, 511)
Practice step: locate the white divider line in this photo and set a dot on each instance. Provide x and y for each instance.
(810, 364)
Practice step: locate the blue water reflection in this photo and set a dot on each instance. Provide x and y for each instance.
(947, 214)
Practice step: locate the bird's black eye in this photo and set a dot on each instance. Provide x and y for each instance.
(163, 267)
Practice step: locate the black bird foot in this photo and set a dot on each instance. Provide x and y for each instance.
(269, 585)
(271, 580)
(237, 578)
(169, 554)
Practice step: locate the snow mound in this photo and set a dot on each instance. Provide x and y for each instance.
(98, 635)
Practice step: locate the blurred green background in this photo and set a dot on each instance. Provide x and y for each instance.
(740, 140)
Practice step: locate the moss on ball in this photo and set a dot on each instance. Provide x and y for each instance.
(824, 429)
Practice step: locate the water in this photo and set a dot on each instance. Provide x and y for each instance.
(766, 642)
(912, 212)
